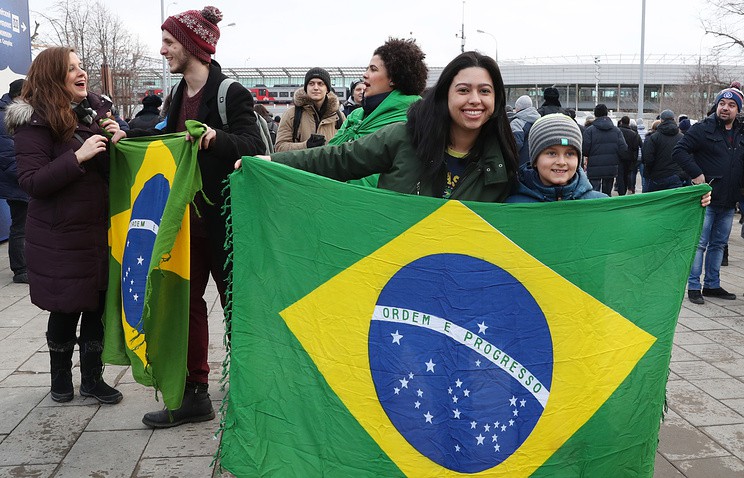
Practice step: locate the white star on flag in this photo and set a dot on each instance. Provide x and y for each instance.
(410, 375)
(456, 411)
(477, 363)
(515, 412)
(473, 425)
(140, 260)
(511, 423)
(503, 428)
(430, 366)
(496, 448)
(135, 297)
(420, 392)
(428, 417)
(403, 383)
(522, 402)
(457, 447)
(396, 337)
(513, 401)
(466, 392)
(482, 327)
(487, 427)
(480, 439)
(417, 404)
(458, 383)
(494, 438)
(454, 399)
(397, 390)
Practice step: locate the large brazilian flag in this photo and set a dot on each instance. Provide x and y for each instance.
(378, 334)
(153, 180)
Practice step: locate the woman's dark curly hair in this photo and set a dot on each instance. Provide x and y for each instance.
(405, 65)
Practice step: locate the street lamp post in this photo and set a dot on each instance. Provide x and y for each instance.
(166, 71)
(232, 24)
(494, 40)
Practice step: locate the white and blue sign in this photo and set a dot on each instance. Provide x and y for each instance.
(15, 36)
(462, 359)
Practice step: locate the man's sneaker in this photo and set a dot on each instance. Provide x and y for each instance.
(719, 292)
(695, 297)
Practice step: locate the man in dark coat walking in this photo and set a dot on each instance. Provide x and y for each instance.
(661, 171)
(628, 160)
(603, 146)
(16, 198)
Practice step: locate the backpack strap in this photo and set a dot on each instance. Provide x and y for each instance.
(296, 124)
(263, 128)
(222, 102)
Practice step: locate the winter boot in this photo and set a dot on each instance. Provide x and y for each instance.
(196, 407)
(60, 359)
(91, 371)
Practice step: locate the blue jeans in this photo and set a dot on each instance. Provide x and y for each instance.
(715, 234)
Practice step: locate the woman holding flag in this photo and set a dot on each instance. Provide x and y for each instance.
(61, 148)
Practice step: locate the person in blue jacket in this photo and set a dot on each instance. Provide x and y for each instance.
(553, 173)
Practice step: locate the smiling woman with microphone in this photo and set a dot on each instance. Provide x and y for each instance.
(61, 147)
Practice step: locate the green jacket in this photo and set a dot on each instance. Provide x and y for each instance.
(389, 152)
(393, 109)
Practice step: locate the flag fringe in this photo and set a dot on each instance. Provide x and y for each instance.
(224, 379)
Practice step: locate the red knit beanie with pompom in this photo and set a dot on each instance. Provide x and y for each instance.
(196, 30)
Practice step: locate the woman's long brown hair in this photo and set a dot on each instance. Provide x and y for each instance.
(46, 91)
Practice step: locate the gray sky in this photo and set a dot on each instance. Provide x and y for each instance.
(312, 33)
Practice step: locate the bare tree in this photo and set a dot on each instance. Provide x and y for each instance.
(723, 20)
(695, 97)
(111, 55)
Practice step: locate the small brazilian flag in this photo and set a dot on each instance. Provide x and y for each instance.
(379, 334)
(153, 180)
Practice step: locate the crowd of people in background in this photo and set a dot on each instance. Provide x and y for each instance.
(460, 140)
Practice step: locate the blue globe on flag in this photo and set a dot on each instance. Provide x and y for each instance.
(461, 358)
(147, 211)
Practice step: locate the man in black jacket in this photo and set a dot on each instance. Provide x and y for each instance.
(661, 171)
(629, 159)
(713, 151)
(188, 40)
(602, 148)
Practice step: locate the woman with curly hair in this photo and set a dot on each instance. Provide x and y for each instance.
(457, 143)
(394, 80)
(60, 131)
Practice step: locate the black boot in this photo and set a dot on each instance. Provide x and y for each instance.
(196, 407)
(91, 371)
(60, 359)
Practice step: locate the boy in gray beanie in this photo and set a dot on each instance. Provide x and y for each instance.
(554, 172)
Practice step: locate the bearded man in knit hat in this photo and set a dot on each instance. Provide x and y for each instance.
(188, 41)
(713, 151)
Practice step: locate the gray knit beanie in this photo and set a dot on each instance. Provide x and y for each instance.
(553, 129)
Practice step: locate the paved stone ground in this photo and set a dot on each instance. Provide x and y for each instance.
(702, 437)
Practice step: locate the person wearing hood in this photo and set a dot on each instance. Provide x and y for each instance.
(149, 115)
(11, 191)
(395, 78)
(524, 116)
(61, 150)
(551, 103)
(356, 96)
(628, 170)
(320, 114)
(553, 172)
(603, 147)
(661, 171)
